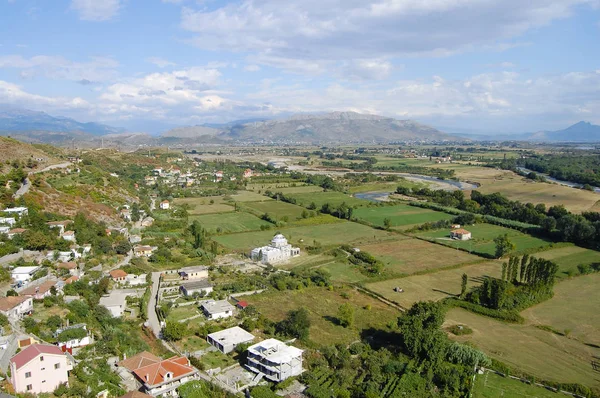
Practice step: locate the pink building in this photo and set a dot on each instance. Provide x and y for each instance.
(39, 368)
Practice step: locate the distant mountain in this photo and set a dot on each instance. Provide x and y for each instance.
(21, 121)
(579, 132)
(338, 127)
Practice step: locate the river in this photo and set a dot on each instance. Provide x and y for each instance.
(554, 180)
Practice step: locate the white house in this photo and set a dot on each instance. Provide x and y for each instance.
(39, 368)
(226, 340)
(60, 225)
(9, 221)
(20, 211)
(196, 286)
(15, 231)
(193, 272)
(217, 309)
(165, 205)
(24, 274)
(116, 302)
(69, 236)
(276, 360)
(70, 342)
(460, 234)
(15, 307)
(278, 251)
(4, 230)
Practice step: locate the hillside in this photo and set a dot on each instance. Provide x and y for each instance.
(31, 157)
(348, 127)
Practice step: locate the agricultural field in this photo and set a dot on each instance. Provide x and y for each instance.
(408, 255)
(285, 188)
(568, 258)
(574, 308)
(434, 286)
(483, 239)
(524, 190)
(538, 352)
(230, 222)
(203, 205)
(333, 198)
(399, 215)
(492, 385)
(281, 211)
(247, 196)
(326, 234)
(322, 305)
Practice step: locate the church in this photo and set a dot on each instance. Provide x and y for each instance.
(278, 251)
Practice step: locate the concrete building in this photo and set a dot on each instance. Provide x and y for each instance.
(39, 368)
(460, 234)
(226, 340)
(70, 266)
(116, 301)
(60, 225)
(275, 360)
(4, 230)
(16, 231)
(165, 205)
(8, 221)
(143, 251)
(118, 275)
(277, 252)
(20, 211)
(196, 286)
(24, 274)
(195, 272)
(67, 344)
(39, 292)
(217, 309)
(69, 236)
(15, 307)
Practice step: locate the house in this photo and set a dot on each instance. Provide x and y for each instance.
(460, 234)
(20, 211)
(73, 336)
(194, 272)
(39, 292)
(200, 286)
(278, 251)
(15, 307)
(69, 236)
(275, 359)
(118, 275)
(217, 309)
(247, 173)
(60, 225)
(9, 221)
(39, 368)
(16, 231)
(71, 266)
(70, 280)
(165, 205)
(4, 230)
(135, 280)
(226, 340)
(24, 274)
(116, 301)
(160, 377)
(242, 305)
(27, 342)
(143, 251)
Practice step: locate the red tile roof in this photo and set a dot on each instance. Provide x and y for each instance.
(118, 273)
(8, 303)
(144, 358)
(32, 352)
(72, 279)
(154, 374)
(40, 289)
(242, 304)
(68, 265)
(460, 231)
(17, 231)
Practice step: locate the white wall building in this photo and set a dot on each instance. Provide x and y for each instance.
(278, 251)
(276, 360)
(24, 274)
(20, 211)
(15, 307)
(217, 309)
(226, 340)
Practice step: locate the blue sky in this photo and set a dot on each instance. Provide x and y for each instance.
(480, 65)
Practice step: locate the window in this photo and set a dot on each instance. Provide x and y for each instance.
(57, 366)
(27, 375)
(42, 359)
(29, 387)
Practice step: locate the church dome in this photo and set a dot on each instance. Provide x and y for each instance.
(279, 240)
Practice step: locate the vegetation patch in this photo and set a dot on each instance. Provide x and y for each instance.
(230, 222)
(399, 215)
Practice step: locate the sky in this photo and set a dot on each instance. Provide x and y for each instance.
(484, 66)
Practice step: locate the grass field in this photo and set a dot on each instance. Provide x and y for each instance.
(537, 352)
(333, 198)
(202, 205)
(400, 215)
(181, 313)
(568, 258)
(277, 209)
(434, 286)
(323, 305)
(247, 196)
(492, 385)
(483, 239)
(326, 234)
(285, 188)
(408, 255)
(230, 222)
(574, 307)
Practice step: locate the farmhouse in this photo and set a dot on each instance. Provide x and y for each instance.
(217, 309)
(197, 286)
(226, 340)
(276, 360)
(39, 368)
(460, 234)
(15, 307)
(278, 251)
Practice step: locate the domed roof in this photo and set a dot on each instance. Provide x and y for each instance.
(279, 240)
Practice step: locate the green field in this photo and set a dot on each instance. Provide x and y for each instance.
(436, 285)
(247, 196)
(333, 198)
(492, 385)
(574, 308)
(323, 305)
(202, 205)
(568, 258)
(277, 209)
(230, 222)
(409, 255)
(400, 215)
(285, 188)
(537, 352)
(326, 235)
(483, 239)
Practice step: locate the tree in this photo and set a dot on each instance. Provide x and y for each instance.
(346, 315)
(421, 333)
(174, 331)
(503, 246)
(387, 223)
(296, 324)
(504, 268)
(12, 292)
(523, 271)
(463, 286)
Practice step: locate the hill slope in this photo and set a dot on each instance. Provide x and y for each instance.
(579, 132)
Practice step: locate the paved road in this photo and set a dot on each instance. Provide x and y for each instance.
(24, 189)
(152, 317)
(27, 183)
(52, 167)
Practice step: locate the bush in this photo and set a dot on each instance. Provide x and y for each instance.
(460, 330)
(507, 316)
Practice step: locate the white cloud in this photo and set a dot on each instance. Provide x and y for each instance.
(252, 68)
(13, 94)
(96, 10)
(160, 62)
(55, 67)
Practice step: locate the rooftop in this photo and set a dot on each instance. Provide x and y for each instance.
(195, 268)
(118, 273)
(8, 303)
(235, 335)
(275, 351)
(33, 351)
(156, 373)
(25, 270)
(68, 265)
(139, 360)
(198, 284)
(460, 231)
(39, 289)
(215, 307)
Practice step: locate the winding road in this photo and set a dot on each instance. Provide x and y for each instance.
(27, 183)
